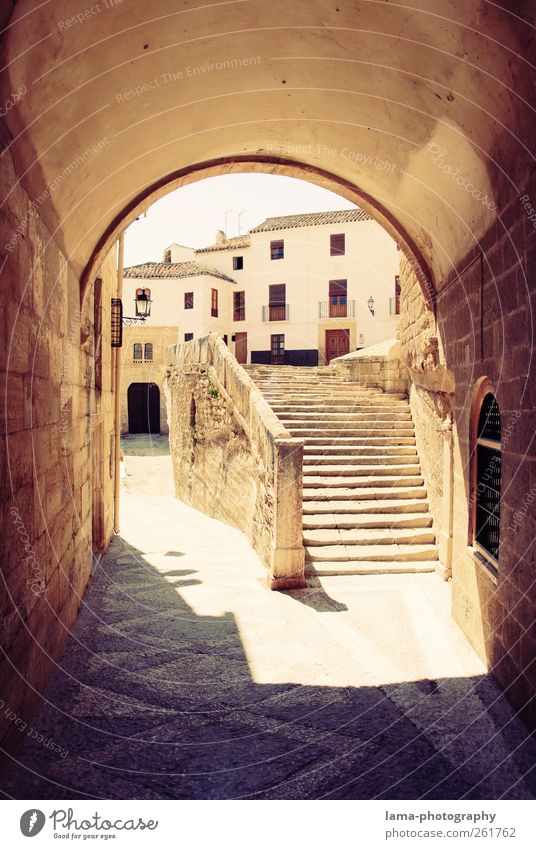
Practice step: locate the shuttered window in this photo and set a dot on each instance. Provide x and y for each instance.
(214, 303)
(337, 244)
(239, 306)
(277, 249)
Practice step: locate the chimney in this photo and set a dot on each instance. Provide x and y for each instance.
(221, 238)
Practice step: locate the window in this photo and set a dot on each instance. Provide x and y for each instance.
(361, 339)
(277, 249)
(277, 302)
(188, 337)
(337, 244)
(239, 306)
(486, 478)
(338, 291)
(214, 303)
(188, 300)
(137, 352)
(238, 263)
(148, 351)
(167, 255)
(394, 303)
(277, 349)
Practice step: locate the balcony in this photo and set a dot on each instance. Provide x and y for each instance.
(339, 307)
(279, 312)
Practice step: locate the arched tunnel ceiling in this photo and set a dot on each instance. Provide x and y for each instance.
(426, 108)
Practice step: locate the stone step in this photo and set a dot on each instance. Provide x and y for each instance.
(355, 416)
(368, 536)
(375, 489)
(368, 507)
(361, 481)
(332, 452)
(375, 567)
(364, 432)
(339, 409)
(352, 471)
(342, 552)
(357, 460)
(349, 423)
(316, 521)
(362, 442)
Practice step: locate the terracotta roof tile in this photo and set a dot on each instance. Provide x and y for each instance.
(164, 270)
(232, 244)
(311, 219)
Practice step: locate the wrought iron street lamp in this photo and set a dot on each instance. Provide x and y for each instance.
(370, 304)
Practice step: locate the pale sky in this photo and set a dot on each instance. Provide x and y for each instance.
(191, 215)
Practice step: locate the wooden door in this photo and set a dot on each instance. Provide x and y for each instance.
(241, 348)
(337, 343)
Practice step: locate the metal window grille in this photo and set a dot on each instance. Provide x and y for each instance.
(117, 323)
(488, 477)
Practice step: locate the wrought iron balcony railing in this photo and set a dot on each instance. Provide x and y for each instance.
(337, 307)
(275, 313)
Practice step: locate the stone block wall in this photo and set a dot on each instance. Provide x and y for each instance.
(233, 459)
(375, 366)
(50, 411)
(481, 325)
(487, 327)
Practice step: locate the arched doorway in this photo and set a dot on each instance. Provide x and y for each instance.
(143, 408)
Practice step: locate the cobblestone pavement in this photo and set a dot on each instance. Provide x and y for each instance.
(185, 678)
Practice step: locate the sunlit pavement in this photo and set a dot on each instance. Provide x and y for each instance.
(185, 677)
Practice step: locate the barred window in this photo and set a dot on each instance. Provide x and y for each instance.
(148, 352)
(487, 460)
(137, 352)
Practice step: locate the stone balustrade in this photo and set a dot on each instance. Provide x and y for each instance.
(232, 457)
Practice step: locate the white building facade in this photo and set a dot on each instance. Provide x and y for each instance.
(299, 289)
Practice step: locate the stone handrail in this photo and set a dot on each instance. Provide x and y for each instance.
(280, 455)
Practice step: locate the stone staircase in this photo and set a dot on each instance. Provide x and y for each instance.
(364, 501)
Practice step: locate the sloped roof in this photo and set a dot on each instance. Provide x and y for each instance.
(311, 219)
(164, 270)
(232, 244)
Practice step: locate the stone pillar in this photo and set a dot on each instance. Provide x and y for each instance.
(287, 559)
(444, 566)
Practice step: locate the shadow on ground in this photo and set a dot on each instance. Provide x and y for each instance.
(154, 701)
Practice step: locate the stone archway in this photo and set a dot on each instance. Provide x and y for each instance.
(423, 116)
